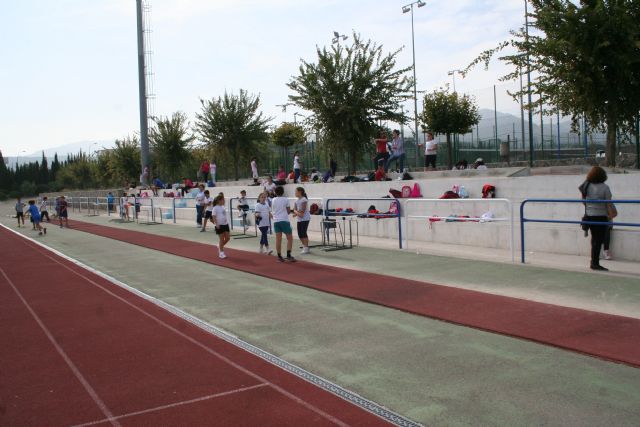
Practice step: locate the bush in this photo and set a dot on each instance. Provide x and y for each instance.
(28, 188)
(3, 196)
(42, 188)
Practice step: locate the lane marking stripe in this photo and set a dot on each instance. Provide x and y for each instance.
(173, 405)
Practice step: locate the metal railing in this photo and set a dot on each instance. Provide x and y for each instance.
(524, 219)
(508, 218)
(328, 203)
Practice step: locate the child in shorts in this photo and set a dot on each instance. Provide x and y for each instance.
(208, 213)
(219, 217)
(263, 215)
(63, 211)
(20, 211)
(36, 218)
(280, 211)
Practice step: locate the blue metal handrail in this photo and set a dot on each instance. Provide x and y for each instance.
(378, 199)
(523, 219)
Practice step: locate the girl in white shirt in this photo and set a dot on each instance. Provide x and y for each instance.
(254, 170)
(280, 211)
(263, 215)
(208, 213)
(212, 171)
(296, 167)
(222, 224)
(303, 216)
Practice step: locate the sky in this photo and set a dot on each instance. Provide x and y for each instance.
(68, 71)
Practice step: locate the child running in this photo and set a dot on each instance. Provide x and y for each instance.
(280, 211)
(221, 223)
(44, 209)
(63, 212)
(36, 218)
(263, 214)
(20, 211)
(208, 213)
(303, 216)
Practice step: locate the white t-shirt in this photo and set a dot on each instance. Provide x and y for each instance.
(254, 168)
(200, 198)
(263, 210)
(212, 171)
(270, 188)
(279, 207)
(242, 201)
(296, 162)
(431, 147)
(209, 203)
(43, 206)
(220, 213)
(303, 205)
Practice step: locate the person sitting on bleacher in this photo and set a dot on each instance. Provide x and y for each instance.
(243, 208)
(156, 185)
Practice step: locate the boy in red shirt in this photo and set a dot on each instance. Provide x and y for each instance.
(382, 154)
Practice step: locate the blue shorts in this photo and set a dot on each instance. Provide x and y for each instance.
(282, 227)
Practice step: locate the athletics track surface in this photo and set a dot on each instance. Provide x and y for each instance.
(80, 350)
(607, 336)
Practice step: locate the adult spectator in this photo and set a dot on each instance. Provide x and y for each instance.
(270, 186)
(110, 200)
(200, 205)
(397, 144)
(333, 166)
(281, 176)
(254, 171)
(156, 185)
(382, 154)
(144, 177)
(187, 185)
(204, 170)
(594, 188)
(212, 171)
(296, 167)
(430, 151)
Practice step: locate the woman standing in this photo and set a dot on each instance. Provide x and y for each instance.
(303, 216)
(594, 188)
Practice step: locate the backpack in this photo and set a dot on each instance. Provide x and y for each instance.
(463, 193)
(313, 209)
(394, 208)
(406, 176)
(406, 192)
(395, 193)
(450, 195)
(416, 193)
(488, 191)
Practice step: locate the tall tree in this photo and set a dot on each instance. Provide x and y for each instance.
(448, 114)
(586, 56)
(125, 159)
(55, 167)
(171, 139)
(233, 127)
(287, 135)
(43, 174)
(6, 179)
(349, 90)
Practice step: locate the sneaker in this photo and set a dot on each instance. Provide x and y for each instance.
(202, 230)
(280, 258)
(607, 255)
(306, 250)
(40, 233)
(45, 231)
(290, 258)
(222, 255)
(268, 252)
(599, 268)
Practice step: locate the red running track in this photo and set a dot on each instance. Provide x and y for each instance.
(80, 350)
(607, 336)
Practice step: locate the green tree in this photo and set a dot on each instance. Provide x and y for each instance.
(287, 135)
(448, 114)
(6, 178)
(586, 56)
(43, 173)
(125, 160)
(171, 140)
(349, 90)
(55, 167)
(233, 127)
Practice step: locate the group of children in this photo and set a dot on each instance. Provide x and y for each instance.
(39, 213)
(267, 208)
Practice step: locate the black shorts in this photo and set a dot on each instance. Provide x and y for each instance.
(430, 159)
(303, 226)
(63, 214)
(20, 215)
(208, 214)
(222, 229)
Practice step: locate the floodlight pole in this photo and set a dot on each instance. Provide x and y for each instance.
(142, 94)
(526, 19)
(420, 3)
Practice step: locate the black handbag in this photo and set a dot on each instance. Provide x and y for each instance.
(585, 227)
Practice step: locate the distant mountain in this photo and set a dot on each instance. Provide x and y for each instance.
(73, 148)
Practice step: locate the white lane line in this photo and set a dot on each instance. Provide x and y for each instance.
(103, 407)
(173, 405)
(209, 350)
